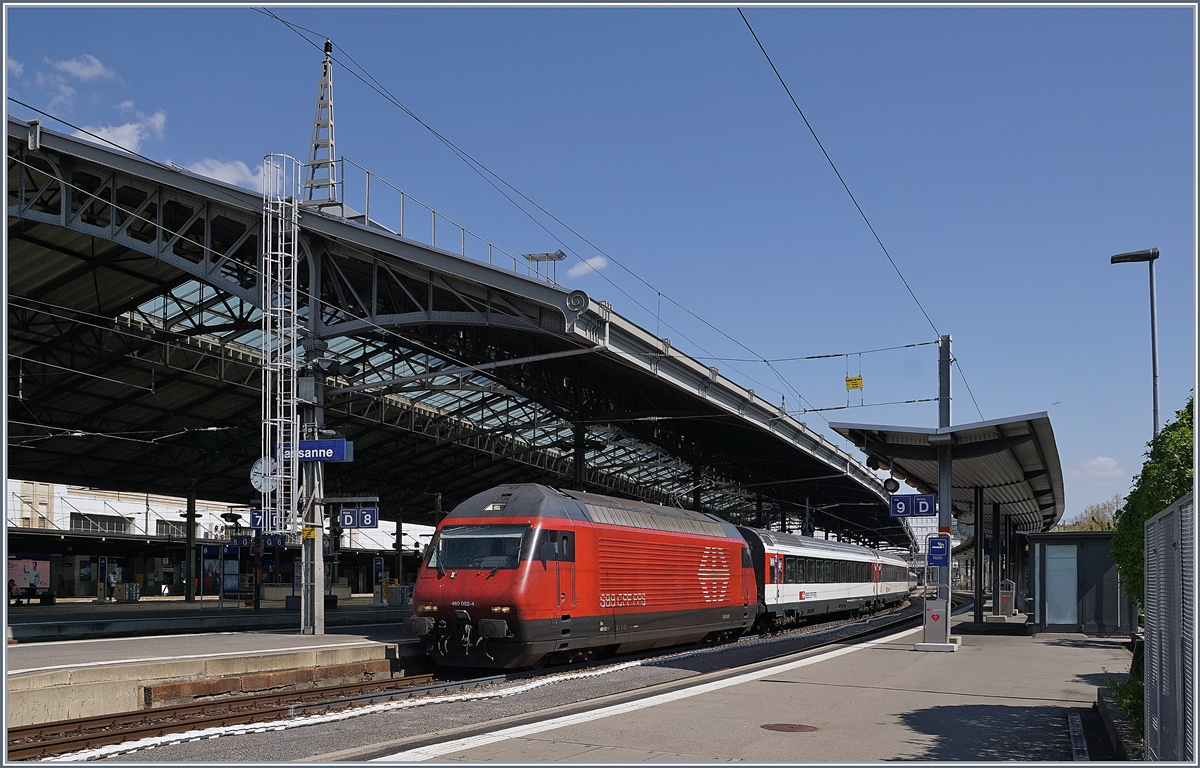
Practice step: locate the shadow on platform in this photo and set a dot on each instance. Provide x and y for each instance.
(989, 733)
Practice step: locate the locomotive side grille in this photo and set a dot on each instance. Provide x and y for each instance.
(668, 574)
(633, 518)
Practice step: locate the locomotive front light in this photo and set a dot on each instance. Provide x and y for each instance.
(426, 608)
(502, 609)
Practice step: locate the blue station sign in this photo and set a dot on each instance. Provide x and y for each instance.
(358, 517)
(939, 551)
(912, 505)
(319, 450)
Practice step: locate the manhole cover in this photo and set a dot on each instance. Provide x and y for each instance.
(790, 727)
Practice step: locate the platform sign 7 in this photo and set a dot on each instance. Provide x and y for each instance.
(348, 517)
(258, 517)
(368, 517)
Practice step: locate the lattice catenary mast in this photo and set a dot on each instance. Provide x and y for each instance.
(320, 177)
(280, 344)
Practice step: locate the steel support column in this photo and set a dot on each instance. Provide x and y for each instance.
(945, 471)
(399, 549)
(996, 574)
(977, 580)
(580, 430)
(193, 564)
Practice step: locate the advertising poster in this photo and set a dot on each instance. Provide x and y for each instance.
(29, 573)
(231, 576)
(208, 581)
(85, 570)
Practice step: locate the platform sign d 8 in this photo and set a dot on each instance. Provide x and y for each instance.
(358, 517)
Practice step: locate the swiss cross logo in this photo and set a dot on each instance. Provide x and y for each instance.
(714, 574)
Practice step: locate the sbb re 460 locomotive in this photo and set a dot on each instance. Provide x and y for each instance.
(521, 574)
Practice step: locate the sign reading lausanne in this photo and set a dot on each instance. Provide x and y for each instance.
(319, 450)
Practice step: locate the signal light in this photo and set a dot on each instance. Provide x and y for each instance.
(502, 609)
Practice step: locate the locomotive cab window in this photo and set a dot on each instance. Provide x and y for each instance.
(746, 562)
(476, 546)
(550, 546)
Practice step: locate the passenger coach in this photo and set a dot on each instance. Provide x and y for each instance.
(800, 577)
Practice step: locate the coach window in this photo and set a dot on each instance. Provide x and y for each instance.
(790, 576)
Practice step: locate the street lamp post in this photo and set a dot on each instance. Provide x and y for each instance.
(1149, 256)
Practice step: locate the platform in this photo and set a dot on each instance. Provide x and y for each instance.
(84, 618)
(65, 679)
(1000, 697)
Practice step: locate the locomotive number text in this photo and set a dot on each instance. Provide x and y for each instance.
(620, 599)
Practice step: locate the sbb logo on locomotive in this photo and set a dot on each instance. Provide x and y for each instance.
(622, 599)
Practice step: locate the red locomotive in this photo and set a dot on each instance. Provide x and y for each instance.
(521, 574)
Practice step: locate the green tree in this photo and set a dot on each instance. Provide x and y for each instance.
(1096, 517)
(1166, 475)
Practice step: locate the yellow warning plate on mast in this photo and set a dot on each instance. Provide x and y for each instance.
(853, 382)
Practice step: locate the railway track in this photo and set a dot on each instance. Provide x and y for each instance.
(67, 736)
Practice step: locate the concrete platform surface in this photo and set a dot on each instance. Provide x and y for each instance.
(75, 678)
(84, 618)
(998, 698)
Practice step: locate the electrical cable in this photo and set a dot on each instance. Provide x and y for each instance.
(838, 173)
(848, 192)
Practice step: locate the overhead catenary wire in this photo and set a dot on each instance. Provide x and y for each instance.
(846, 186)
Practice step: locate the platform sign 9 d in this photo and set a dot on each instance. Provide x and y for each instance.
(912, 505)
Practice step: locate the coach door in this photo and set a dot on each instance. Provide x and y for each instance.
(563, 545)
(775, 569)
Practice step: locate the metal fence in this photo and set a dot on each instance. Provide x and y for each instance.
(1170, 622)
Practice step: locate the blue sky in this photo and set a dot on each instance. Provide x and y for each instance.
(1002, 155)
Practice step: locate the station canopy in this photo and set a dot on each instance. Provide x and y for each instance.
(134, 360)
(1014, 460)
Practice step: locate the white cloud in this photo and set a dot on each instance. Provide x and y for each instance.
(156, 122)
(14, 67)
(594, 264)
(230, 172)
(126, 105)
(86, 67)
(62, 94)
(131, 135)
(1099, 469)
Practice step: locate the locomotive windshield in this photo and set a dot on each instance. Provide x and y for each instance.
(477, 546)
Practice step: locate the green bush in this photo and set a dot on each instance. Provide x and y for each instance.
(1130, 695)
(1166, 476)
